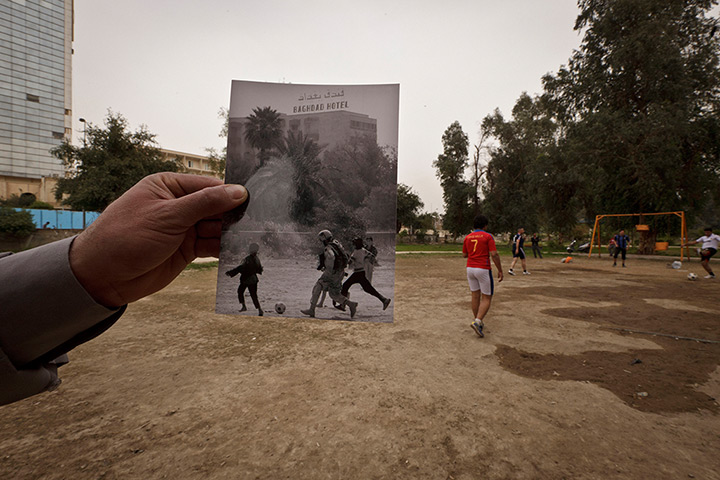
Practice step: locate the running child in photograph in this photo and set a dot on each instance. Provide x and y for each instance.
(249, 270)
(360, 260)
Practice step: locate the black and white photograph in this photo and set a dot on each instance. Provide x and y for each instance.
(317, 236)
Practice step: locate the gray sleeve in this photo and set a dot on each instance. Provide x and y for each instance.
(44, 313)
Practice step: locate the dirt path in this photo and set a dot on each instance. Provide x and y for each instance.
(176, 391)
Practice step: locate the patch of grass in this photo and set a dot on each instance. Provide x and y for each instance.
(202, 266)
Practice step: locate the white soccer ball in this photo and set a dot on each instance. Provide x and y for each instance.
(692, 276)
(280, 308)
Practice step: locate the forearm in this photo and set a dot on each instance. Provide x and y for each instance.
(45, 313)
(496, 260)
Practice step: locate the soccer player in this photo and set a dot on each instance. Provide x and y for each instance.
(249, 270)
(710, 243)
(478, 247)
(518, 251)
(333, 266)
(621, 244)
(359, 261)
(374, 252)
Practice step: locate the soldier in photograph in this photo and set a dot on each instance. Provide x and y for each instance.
(333, 263)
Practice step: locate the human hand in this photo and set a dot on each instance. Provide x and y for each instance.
(500, 276)
(145, 238)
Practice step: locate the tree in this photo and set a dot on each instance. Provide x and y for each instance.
(109, 162)
(351, 171)
(408, 206)
(478, 171)
(218, 160)
(303, 153)
(457, 191)
(264, 131)
(24, 200)
(426, 221)
(638, 105)
(516, 189)
(15, 223)
(631, 124)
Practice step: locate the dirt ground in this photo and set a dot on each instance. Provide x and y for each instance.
(558, 388)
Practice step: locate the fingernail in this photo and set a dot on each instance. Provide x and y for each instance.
(236, 192)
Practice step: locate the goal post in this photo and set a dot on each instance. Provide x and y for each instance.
(683, 229)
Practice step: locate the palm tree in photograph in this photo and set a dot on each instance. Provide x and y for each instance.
(264, 131)
(304, 154)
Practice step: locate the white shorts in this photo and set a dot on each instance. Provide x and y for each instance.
(480, 279)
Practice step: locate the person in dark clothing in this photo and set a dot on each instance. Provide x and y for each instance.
(359, 260)
(370, 267)
(622, 242)
(249, 270)
(518, 252)
(535, 240)
(333, 261)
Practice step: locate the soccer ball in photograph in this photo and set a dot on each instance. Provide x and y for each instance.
(280, 308)
(692, 276)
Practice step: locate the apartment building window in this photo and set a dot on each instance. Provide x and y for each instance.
(32, 98)
(190, 164)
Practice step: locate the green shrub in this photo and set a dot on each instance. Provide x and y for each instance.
(16, 223)
(38, 205)
(19, 201)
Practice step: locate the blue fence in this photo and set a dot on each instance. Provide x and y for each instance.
(62, 219)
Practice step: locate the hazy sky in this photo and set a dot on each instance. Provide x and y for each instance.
(169, 64)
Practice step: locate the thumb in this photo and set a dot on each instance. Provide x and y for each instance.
(209, 202)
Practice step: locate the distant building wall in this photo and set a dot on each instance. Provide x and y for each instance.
(43, 188)
(330, 129)
(195, 164)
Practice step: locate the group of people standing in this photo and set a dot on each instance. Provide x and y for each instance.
(332, 262)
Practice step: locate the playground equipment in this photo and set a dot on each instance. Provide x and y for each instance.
(643, 229)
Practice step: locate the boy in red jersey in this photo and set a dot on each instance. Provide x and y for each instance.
(478, 247)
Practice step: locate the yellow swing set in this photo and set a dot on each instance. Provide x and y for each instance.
(642, 228)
